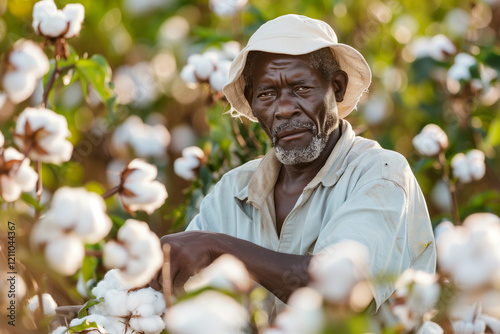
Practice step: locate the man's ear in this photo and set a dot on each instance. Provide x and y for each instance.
(339, 81)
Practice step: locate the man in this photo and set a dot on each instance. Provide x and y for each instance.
(320, 184)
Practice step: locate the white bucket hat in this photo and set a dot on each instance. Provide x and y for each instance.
(296, 35)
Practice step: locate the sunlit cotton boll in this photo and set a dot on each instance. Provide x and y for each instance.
(139, 190)
(227, 8)
(441, 47)
(219, 77)
(27, 64)
(137, 253)
(209, 312)
(226, 272)
(53, 23)
(16, 175)
(80, 211)
(469, 167)
(145, 140)
(304, 314)
(44, 133)
(417, 292)
(431, 140)
(337, 269)
(65, 255)
(203, 64)
(460, 70)
(136, 84)
(191, 160)
(49, 304)
(470, 254)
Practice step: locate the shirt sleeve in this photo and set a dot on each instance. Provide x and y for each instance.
(393, 223)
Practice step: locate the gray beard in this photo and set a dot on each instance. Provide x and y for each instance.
(299, 156)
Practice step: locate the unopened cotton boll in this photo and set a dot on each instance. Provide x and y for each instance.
(44, 133)
(337, 269)
(469, 167)
(139, 190)
(49, 304)
(16, 175)
(431, 140)
(209, 312)
(65, 255)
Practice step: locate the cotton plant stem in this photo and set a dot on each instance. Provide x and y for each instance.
(165, 273)
(451, 188)
(110, 192)
(39, 187)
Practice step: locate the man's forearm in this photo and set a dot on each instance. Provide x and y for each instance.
(280, 273)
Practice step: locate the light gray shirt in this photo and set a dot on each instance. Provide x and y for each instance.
(363, 192)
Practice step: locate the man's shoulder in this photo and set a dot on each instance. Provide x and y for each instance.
(242, 173)
(370, 156)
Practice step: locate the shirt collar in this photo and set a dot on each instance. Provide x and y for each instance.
(263, 180)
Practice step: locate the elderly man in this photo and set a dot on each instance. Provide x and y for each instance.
(320, 184)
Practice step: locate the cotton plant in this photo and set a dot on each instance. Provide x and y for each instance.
(469, 167)
(26, 64)
(136, 253)
(145, 140)
(138, 189)
(189, 163)
(212, 66)
(42, 133)
(76, 217)
(438, 47)
(120, 309)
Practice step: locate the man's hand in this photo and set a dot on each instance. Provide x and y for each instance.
(192, 251)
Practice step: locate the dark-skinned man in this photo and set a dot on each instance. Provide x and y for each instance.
(319, 185)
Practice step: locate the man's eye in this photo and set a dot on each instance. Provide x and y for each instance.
(265, 94)
(302, 88)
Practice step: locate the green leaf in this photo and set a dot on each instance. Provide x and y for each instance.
(493, 135)
(96, 72)
(32, 201)
(88, 267)
(91, 302)
(83, 326)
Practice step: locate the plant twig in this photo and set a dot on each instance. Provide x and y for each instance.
(111, 192)
(165, 273)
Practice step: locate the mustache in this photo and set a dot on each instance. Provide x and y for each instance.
(293, 125)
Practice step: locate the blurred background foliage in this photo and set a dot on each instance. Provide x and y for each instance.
(407, 91)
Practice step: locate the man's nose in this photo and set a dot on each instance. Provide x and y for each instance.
(286, 108)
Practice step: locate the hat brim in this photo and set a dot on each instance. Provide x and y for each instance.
(349, 59)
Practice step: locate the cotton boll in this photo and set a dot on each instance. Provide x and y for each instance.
(231, 49)
(16, 175)
(440, 195)
(188, 75)
(210, 313)
(430, 327)
(350, 258)
(133, 230)
(112, 281)
(431, 140)
(469, 167)
(29, 57)
(227, 8)
(114, 255)
(96, 318)
(441, 47)
(42, 10)
(49, 304)
(65, 255)
(304, 314)
(2, 140)
(75, 13)
(148, 325)
(203, 66)
(116, 303)
(54, 26)
(19, 85)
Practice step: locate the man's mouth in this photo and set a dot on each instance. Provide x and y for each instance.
(291, 134)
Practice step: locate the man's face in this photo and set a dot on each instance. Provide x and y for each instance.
(295, 106)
